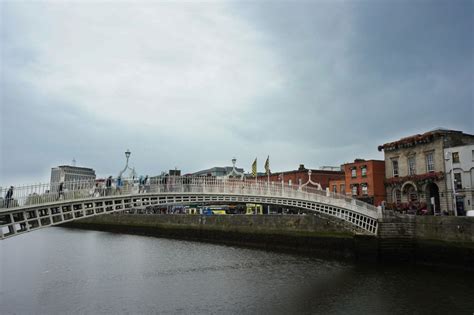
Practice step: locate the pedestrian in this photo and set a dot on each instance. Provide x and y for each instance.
(140, 184)
(165, 183)
(97, 190)
(9, 197)
(60, 190)
(108, 185)
(146, 183)
(119, 185)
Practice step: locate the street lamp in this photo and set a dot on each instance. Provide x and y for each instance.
(127, 156)
(448, 157)
(234, 173)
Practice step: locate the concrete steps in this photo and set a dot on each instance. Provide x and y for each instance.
(397, 240)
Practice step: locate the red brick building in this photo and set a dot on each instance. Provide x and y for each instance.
(301, 176)
(338, 186)
(364, 180)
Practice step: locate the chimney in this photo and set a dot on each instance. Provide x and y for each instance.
(301, 168)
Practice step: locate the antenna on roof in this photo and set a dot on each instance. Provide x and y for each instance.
(73, 161)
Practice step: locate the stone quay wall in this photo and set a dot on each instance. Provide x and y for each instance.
(428, 240)
(305, 234)
(423, 240)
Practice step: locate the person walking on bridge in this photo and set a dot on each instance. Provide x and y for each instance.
(118, 185)
(9, 197)
(61, 191)
(146, 184)
(108, 185)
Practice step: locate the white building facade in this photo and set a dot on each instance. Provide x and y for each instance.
(415, 171)
(67, 173)
(460, 162)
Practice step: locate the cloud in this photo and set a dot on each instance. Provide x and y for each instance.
(367, 72)
(194, 84)
(130, 63)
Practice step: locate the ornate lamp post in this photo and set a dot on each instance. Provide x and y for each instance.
(448, 157)
(234, 160)
(234, 172)
(127, 156)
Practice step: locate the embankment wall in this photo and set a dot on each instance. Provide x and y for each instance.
(421, 240)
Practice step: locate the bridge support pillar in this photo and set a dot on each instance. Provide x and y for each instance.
(11, 227)
(38, 217)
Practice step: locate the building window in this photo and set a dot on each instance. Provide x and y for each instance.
(299, 181)
(457, 181)
(354, 173)
(354, 190)
(289, 182)
(365, 190)
(395, 168)
(343, 189)
(411, 166)
(334, 188)
(364, 171)
(430, 162)
(455, 157)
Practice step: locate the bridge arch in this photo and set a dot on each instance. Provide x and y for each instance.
(25, 218)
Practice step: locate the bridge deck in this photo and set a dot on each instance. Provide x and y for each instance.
(36, 210)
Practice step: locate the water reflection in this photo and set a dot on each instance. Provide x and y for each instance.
(59, 270)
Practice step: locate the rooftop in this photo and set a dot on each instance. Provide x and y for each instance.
(417, 139)
(74, 167)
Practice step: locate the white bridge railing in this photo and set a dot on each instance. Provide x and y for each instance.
(28, 208)
(32, 195)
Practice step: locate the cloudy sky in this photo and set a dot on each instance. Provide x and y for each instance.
(193, 84)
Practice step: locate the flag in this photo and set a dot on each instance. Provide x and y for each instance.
(254, 168)
(267, 166)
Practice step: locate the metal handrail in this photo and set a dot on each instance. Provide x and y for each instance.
(38, 194)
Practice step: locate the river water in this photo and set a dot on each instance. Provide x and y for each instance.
(60, 270)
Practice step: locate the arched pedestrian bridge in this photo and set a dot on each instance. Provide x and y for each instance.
(38, 206)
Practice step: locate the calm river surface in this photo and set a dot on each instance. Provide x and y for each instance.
(59, 270)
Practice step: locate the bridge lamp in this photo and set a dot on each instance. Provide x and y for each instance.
(127, 156)
(448, 157)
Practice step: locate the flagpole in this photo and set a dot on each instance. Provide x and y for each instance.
(256, 173)
(268, 175)
(268, 181)
(267, 169)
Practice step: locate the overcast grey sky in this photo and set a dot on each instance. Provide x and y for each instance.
(193, 84)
